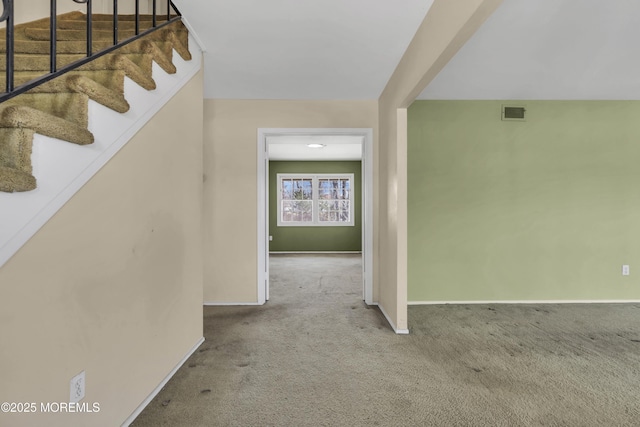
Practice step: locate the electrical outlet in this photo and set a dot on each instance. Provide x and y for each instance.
(625, 270)
(76, 390)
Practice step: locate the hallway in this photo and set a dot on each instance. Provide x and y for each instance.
(316, 355)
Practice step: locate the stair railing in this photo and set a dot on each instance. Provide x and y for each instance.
(8, 18)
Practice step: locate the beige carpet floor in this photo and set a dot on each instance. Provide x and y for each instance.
(315, 355)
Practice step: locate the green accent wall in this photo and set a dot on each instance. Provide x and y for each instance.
(542, 209)
(344, 238)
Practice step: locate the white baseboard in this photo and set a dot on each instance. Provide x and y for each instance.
(391, 322)
(312, 252)
(214, 303)
(604, 301)
(155, 391)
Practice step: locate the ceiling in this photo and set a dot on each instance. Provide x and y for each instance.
(548, 49)
(337, 49)
(293, 49)
(334, 147)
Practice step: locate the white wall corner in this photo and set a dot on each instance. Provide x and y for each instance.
(391, 322)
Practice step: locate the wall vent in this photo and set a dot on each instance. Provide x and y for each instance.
(513, 112)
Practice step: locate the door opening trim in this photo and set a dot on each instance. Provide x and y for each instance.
(263, 198)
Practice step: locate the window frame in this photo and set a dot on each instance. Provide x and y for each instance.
(315, 199)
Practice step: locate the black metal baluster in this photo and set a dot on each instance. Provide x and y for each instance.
(7, 15)
(8, 18)
(53, 24)
(175, 9)
(168, 10)
(137, 17)
(115, 22)
(89, 29)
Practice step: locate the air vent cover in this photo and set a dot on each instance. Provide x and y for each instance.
(513, 112)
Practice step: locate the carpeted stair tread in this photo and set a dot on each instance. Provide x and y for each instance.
(138, 68)
(78, 82)
(14, 180)
(79, 47)
(105, 25)
(75, 35)
(107, 17)
(111, 79)
(76, 39)
(20, 116)
(25, 62)
(42, 47)
(98, 93)
(180, 43)
(71, 107)
(13, 152)
(106, 88)
(155, 53)
(59, 107)
(15, 160)
(121, 62)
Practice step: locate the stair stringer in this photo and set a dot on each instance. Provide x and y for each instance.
(61, 168)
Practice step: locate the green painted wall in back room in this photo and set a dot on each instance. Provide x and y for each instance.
(315, 238)
(542, 209)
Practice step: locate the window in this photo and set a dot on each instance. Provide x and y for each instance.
(315, 200)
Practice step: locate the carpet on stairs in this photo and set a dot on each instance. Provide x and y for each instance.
(59, 108)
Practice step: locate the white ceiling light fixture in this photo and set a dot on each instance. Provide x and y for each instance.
(333, 147)
(315, 145)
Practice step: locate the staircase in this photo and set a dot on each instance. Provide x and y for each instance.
(59, 108)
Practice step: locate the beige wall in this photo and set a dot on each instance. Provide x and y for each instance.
(37, 9)
(127, 7)
(230, 199)
(112, 284)
(447, 26)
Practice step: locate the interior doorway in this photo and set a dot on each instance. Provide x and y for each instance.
(341, 139)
